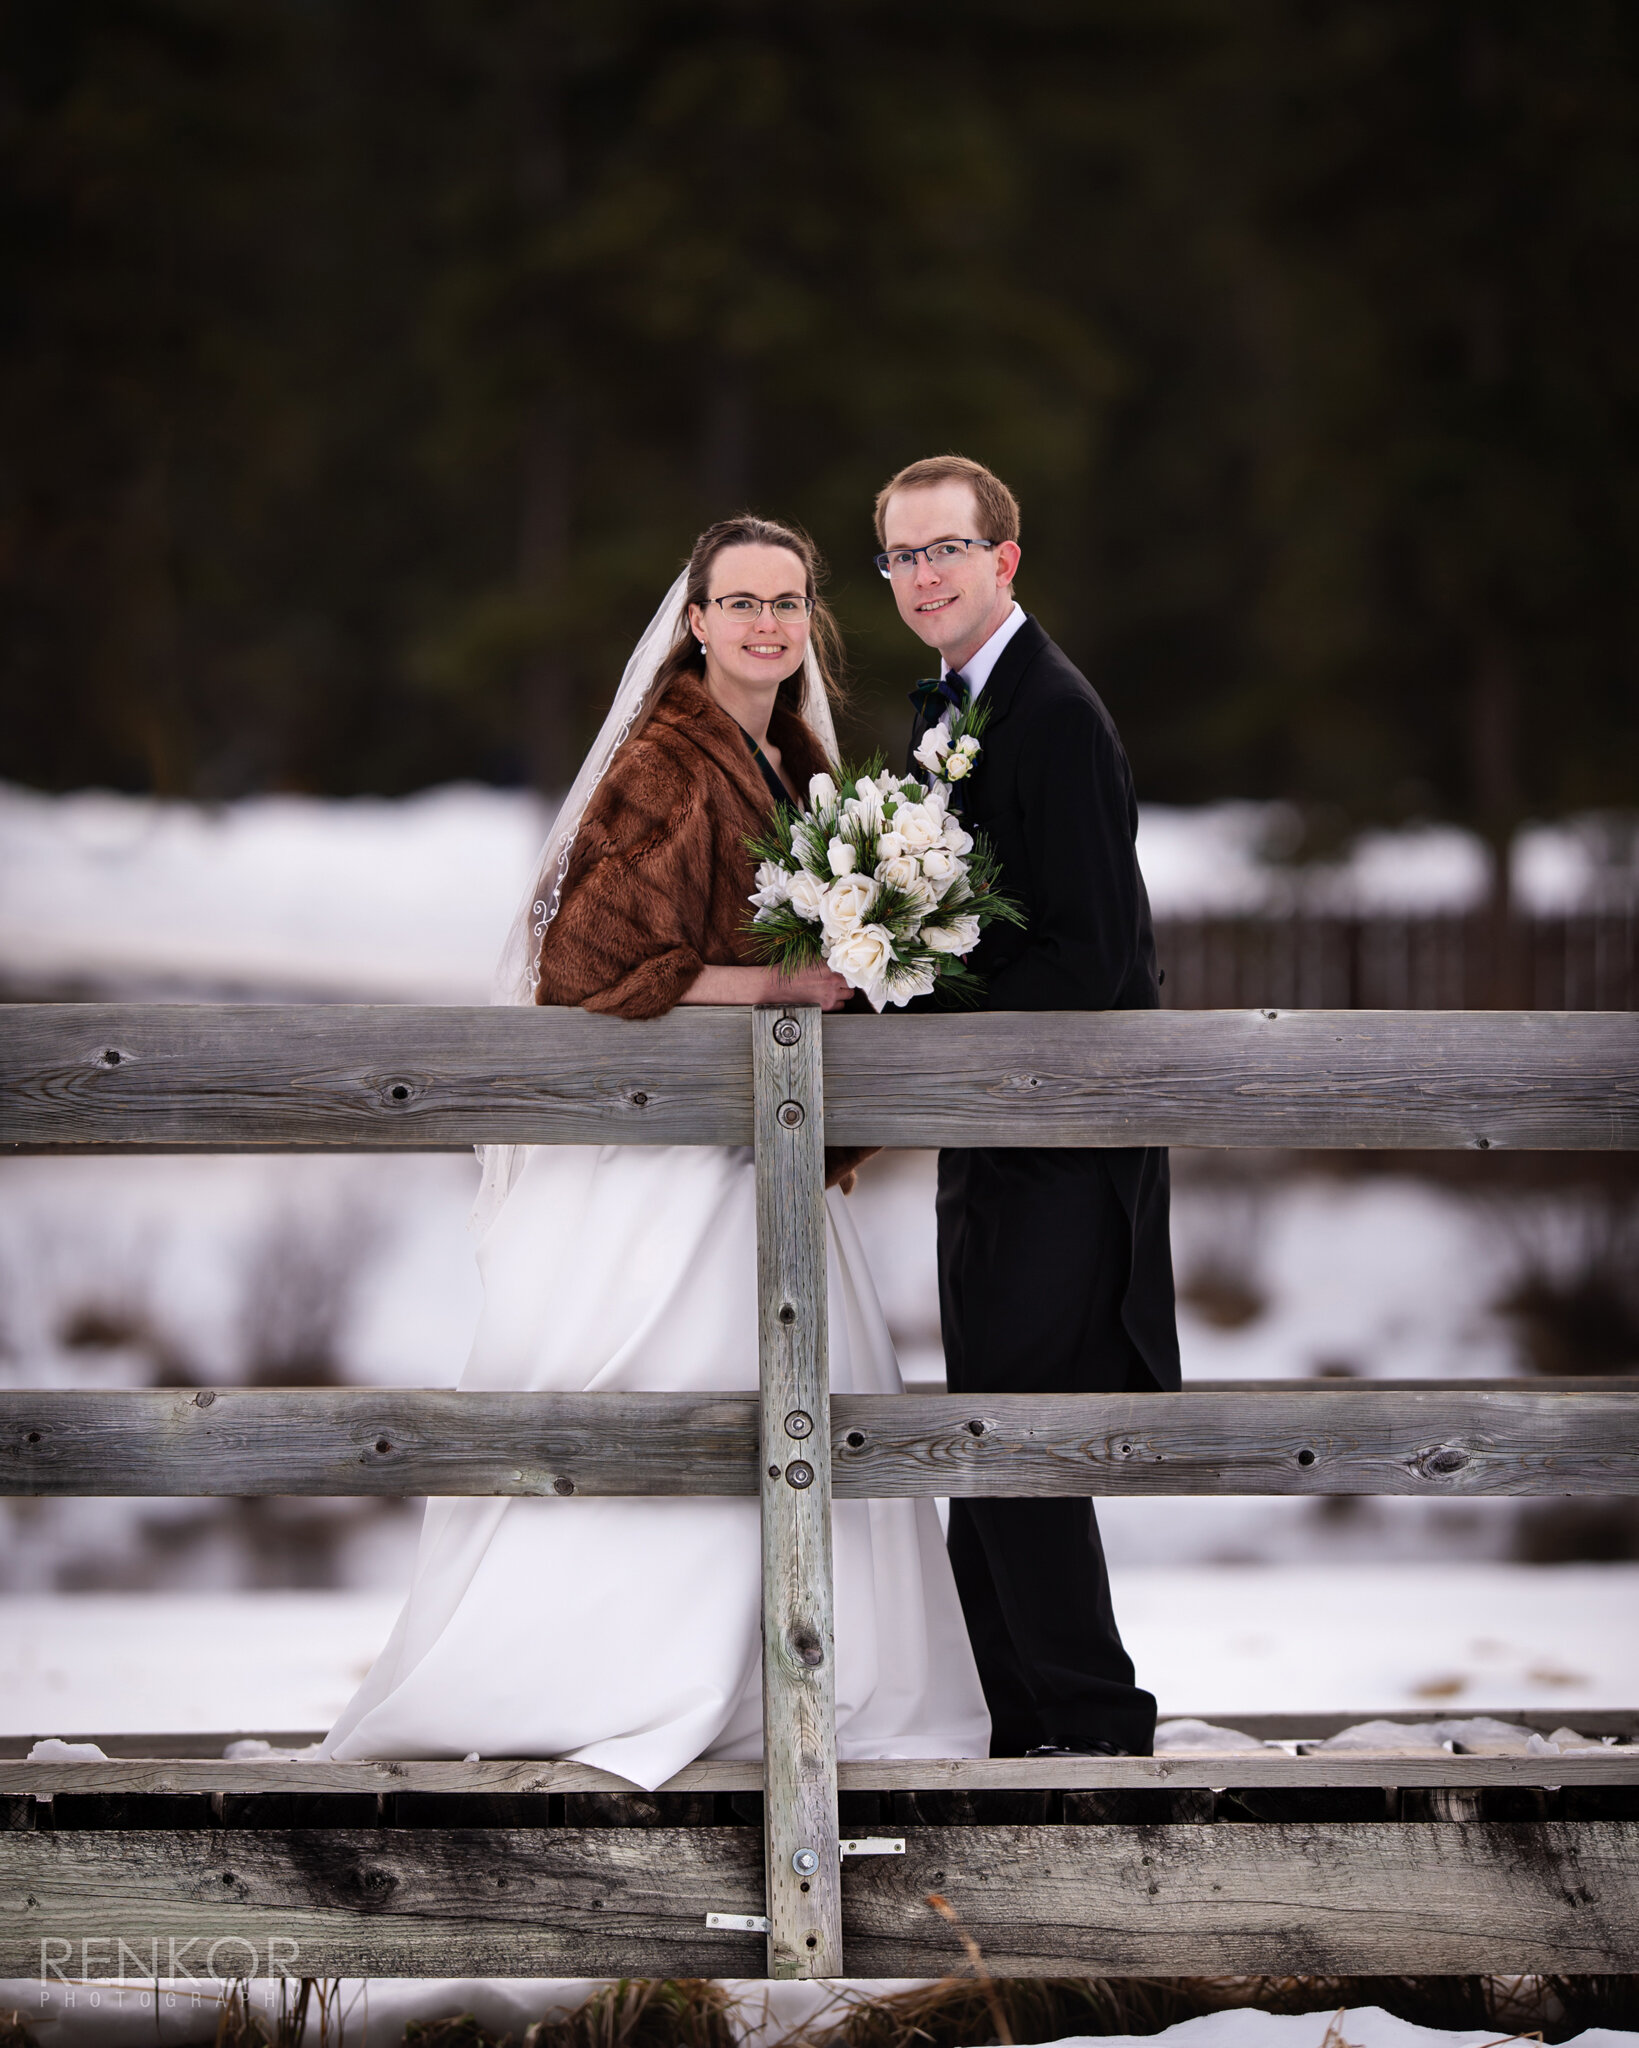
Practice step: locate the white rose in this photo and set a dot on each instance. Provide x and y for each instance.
(862, 957)
(846, 904)
(960, 935)
(940, 865)
(968, 745)
(918, 826)
(773, 885)
(890, 846)
(822, 792)
(957, 766)
(866, 802)
(915, 981)
(806, 895)
(932, 748)
(952, 835)
(899, 872)
(842, 857)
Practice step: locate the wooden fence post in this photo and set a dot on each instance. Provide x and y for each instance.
(800, 1834)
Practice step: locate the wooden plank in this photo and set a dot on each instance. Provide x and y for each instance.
(1400, 1898)
(403, 1077)
(1452, 1080)
(370, 1440)
(1281, 1898)
(169, 1776)
(1438, 1441)
(550, 1902)
(799, 1646)
(1354, 1441)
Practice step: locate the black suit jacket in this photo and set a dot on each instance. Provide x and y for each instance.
(1054, 795)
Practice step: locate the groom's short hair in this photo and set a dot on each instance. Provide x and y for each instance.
(998, 508)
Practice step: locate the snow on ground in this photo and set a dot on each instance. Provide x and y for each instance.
(165, 1271)
(1213, 1641)
(406, 900)
(369, 899)
(275, 1270)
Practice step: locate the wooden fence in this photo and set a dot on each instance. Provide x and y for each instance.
(174, 1850)
(1587, 960)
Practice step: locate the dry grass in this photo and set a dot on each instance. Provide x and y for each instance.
(960, 2012)
(636, 2012)
(244, 2025)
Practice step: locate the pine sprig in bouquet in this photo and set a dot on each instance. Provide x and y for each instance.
(879, 880)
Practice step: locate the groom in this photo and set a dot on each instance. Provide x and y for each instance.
(1055, 1268)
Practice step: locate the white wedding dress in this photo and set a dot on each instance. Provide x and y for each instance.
(626, 1632)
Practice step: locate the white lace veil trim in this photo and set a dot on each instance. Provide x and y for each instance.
(518, 970)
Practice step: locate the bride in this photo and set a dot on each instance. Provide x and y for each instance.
(625, 1633)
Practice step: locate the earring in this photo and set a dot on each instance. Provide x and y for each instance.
(702, 646)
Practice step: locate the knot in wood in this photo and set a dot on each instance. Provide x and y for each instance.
(787, 1031)
(791, 1114)
(203, 1398)
(803, 1641)
(1306, 1456)
(1442, 1462)
(109, 1058)
(563, 1484)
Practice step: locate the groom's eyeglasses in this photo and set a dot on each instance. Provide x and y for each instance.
(939, 553)
(787, 610)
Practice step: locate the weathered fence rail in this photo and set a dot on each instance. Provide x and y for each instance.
(235, 1079)
(1442, 1440)
(1447, 1886)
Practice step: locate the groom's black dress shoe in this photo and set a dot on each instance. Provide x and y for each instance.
(1078, 1749)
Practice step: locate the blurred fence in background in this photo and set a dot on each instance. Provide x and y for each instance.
(1429, 961)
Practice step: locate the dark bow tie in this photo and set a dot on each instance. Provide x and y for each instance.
(931, 696)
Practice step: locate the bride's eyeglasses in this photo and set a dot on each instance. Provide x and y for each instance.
(742, 609)
(940, 554)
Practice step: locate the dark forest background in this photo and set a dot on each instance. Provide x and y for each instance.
(366, 367)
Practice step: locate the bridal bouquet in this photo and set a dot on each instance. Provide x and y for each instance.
(879, 880)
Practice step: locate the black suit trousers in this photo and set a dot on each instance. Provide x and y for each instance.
(1035, 1252)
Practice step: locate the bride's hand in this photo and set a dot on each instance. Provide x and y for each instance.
(767, 985)
(817, 985)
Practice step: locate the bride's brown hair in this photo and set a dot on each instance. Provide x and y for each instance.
(747, 530)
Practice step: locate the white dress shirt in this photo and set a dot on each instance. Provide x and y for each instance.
(977, 671)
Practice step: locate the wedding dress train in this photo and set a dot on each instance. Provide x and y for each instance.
(626, 1632)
